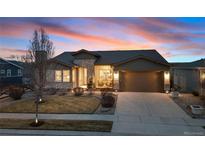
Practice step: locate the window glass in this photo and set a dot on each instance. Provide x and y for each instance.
(66, 75)
(58, 76)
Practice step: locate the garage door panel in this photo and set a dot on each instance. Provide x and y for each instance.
(142, 81)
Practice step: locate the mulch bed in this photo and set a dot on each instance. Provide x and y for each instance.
(188, 99)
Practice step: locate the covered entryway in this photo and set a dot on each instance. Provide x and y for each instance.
(134, 81)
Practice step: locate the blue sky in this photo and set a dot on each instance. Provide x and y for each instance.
(177, 39)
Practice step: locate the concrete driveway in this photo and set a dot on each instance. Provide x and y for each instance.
(153, 114)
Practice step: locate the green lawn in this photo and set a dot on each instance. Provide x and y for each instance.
(55, 104)
(69, 125)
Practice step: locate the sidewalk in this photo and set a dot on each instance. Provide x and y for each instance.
(58, 116)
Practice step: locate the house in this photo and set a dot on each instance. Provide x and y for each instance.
(123, 70)
(190, 76)
(10, 72)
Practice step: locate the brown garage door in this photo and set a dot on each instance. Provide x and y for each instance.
(142, 81)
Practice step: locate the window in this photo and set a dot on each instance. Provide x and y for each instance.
(104, 76)
(2, 71)
(58, 76)
(8, 73)
(66, 75)
(19, 72)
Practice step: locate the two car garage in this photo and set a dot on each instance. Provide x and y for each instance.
(142, 81)
(141, 75)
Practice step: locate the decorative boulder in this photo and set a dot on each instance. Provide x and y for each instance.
(16, 92)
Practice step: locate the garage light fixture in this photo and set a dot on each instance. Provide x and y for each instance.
(166, 76)
(116, 75)
(203, 76)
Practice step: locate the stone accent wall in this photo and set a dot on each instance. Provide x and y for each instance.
(87, 63)
(50, 77)
(116, 85)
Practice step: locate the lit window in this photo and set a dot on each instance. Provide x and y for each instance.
(2, 71)
(8, 73)
(66, 75)
(19, 72)
(58, 76)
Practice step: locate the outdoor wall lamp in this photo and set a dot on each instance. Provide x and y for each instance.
(116, 75)
(166, 76)
(203, 76)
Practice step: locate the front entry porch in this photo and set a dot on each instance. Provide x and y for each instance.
(102, 76)
(80, 77)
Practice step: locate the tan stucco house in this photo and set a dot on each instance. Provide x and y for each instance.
(122, 70)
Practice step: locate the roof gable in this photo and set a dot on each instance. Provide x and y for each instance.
(140, 57)
(85, 52)
(141, 64)
(194, 64)
(12, 63)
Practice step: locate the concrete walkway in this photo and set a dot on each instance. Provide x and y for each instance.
(153, 114)
(58, 116)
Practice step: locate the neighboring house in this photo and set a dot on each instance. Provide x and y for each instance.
(123, 70)
(10, 72)
(190, 76)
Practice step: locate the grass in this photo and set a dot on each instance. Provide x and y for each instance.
(55, 104)
(68, 125)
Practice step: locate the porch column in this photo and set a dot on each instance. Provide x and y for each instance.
(77, 77)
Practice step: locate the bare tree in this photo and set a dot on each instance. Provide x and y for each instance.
(40, 51)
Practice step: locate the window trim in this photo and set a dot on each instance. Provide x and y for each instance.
(2, 71)
(20, 72)
(8, 72)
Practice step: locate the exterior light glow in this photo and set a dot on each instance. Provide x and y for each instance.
(166, 78)
(36, 120)
(116, 75)
(203, 76)
(166, 75)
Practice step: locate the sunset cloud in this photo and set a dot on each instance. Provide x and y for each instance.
(172, 37)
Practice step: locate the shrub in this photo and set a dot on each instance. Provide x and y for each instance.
(52, 91)
(78, 91)
(16, 92)
(105, 91)
(195, 93)
(108, 100)
(176, 88)
(90, 83)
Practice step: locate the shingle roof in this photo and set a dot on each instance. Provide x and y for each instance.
(115, 56)
(14, 63)
(194, 64)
